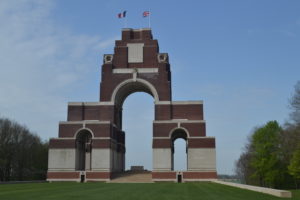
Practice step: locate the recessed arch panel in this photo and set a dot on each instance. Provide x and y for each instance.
(81, 130)
(130, 86)
(83, 149)
(179, 132)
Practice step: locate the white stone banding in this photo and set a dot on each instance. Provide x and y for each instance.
(178, 121)
(179, 103)
(103, 103)
(132, 70)
(85, 122)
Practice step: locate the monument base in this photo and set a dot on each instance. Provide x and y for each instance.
(166, 176)
(183, 176)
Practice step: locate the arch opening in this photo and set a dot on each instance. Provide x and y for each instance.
(179, 156)
(126, 88)
(83, 150)
(138, 116)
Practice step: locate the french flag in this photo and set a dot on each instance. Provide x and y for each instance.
(122, 14)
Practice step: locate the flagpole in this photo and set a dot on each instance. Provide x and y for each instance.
(149, 19)
(125, 22)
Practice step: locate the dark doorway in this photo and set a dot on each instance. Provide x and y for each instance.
(179, 178)
(82, 178)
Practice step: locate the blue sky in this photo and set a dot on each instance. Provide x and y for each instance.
(240, 57)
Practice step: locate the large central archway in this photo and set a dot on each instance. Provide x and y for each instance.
(137, 119)
(126, 88)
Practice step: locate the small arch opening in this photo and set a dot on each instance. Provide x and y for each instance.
(179, 150)
(83, 150)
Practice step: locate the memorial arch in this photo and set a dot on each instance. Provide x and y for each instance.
(91, 143)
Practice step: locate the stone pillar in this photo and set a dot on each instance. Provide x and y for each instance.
(162, 159)
(88, 161)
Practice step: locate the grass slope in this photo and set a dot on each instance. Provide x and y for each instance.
(132, 191)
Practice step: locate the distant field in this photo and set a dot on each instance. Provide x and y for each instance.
(130, 191)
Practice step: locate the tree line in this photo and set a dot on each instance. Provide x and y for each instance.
(23, 155)
(271, 156)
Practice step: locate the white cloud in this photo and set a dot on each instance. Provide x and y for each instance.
(40, 62)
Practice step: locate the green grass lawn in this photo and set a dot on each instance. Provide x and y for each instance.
(132, 191)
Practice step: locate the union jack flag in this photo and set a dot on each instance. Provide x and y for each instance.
(146, 13)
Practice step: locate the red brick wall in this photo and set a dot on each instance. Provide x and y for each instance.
(191, 112)
(201, 143)
(195, 129)
(160, 82)
(100, 130)
(68, 130)
(163, 129)
(120, 59)
(163, 112)
(62, 143)
(75, 113)
(84, 112)
(98, 175)
(164, 175)
(199, 175)
(106, 113)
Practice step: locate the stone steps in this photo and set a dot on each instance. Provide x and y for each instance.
(132, 177)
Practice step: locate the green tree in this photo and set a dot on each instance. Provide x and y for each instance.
(23, 155)
(294, 167)
(265, 160)
(295, 104)
(271, 155)
(243, 168)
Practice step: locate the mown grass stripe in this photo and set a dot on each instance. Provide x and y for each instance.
(132, 191)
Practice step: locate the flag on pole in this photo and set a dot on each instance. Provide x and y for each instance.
(146, 13)
(122, 14)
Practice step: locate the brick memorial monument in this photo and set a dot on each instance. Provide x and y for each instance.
(91, 143)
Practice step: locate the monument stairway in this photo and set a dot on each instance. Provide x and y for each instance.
(132, 177)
